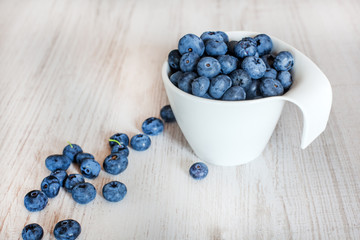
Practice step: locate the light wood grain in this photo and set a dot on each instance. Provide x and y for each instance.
(80, 71)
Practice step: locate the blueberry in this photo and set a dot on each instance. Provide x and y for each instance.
(285, 78)
(270, 73)
(228, 63)
(50, 186)
(174, 59)
(90, 168)
(224, 36)
(167, 114)
(219, 85)
(208, 67)
(83, 193)
(191, 43)
(185, 82)
(254, 66)
(71, 150)
(114, 191)
(57, 162)
(121, 138)
(120, 149)
(284, 61)
(215, 48)
(198, 170)
(81, 156)
(175, 77)
(32, 231)
(140, 142)
(188, 62)
(211, 35)
(271, 87)
(115, 163)
(35, 200)
(61, 175)
(263, 44)
(152, 126)
(245, 47)
(67, 230)
(72, 180)
(268, 60)
(234, 93)
(241, 78)
(200, 86)
(231, 46)
(254, 90)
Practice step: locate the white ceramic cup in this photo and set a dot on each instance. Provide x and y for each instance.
(229, 133)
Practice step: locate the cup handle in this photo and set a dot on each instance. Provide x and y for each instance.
(313, 95)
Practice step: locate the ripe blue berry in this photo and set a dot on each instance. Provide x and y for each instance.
(271, 87)
(152, 126)
(284, 61)
(115, 163)
(228, 63)
(71, 150)
(268, 60)
(208, 67)
(120, 149)
(35, 200)
(198, 170)
(188, 62)
(254, 66)
(174, 59)
(245, 47)
(241, 78)
(90, 168)
(175, 77)
(72, 180)
(67, 230)
(191, 43)
(235, 93)
(185, 82)
(50, 186)
(32, 231)
(61, 175)
(57, 162)
(140, 142)
(224, 36)
(211, 35)
(270, 73)
(114, 191)
(254, 90)
(81, 156)
(167, 114)
(263, 44)
(215, 48)
(83, 193)
(121, 138)
(219, 85)
(285, 78)
(200, 86)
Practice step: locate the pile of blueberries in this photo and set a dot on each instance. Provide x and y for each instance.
(83, 192)
(212, 67)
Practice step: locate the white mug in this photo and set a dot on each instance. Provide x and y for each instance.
(230, 133)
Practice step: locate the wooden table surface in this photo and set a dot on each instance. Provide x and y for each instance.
(81, 71)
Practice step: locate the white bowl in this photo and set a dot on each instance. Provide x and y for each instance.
(229, 133)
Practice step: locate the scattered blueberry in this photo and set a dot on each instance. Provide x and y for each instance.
(114, 191)
(71, 150)
(241, 78)
(245, 47)
(219, 85)
(115, 163)
(198, 170)
(67, 230)
(215, 48)
(270, 73)
(57, 162)
(254, 66)
(120, 149)
(81, 156)
(90, 168)
(140, 142)
(254, 90)
(83, 193)
(271, 87)
(32, 231)
(208, 67)
(174, 59)
(167, 114)
(50, 186)
(284, 61)
(228, 63)
(235, 93)
(191, 43)
(35, 200)
(263, 44)
(285, 78)
(121, 138)
(152, 126)
(185, 82)
(175, 77)
(72, 180)
(200, 86)
(61, 175)
(188, 61)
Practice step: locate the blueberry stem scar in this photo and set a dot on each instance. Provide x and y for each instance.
(113, 140)
(70, 144)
